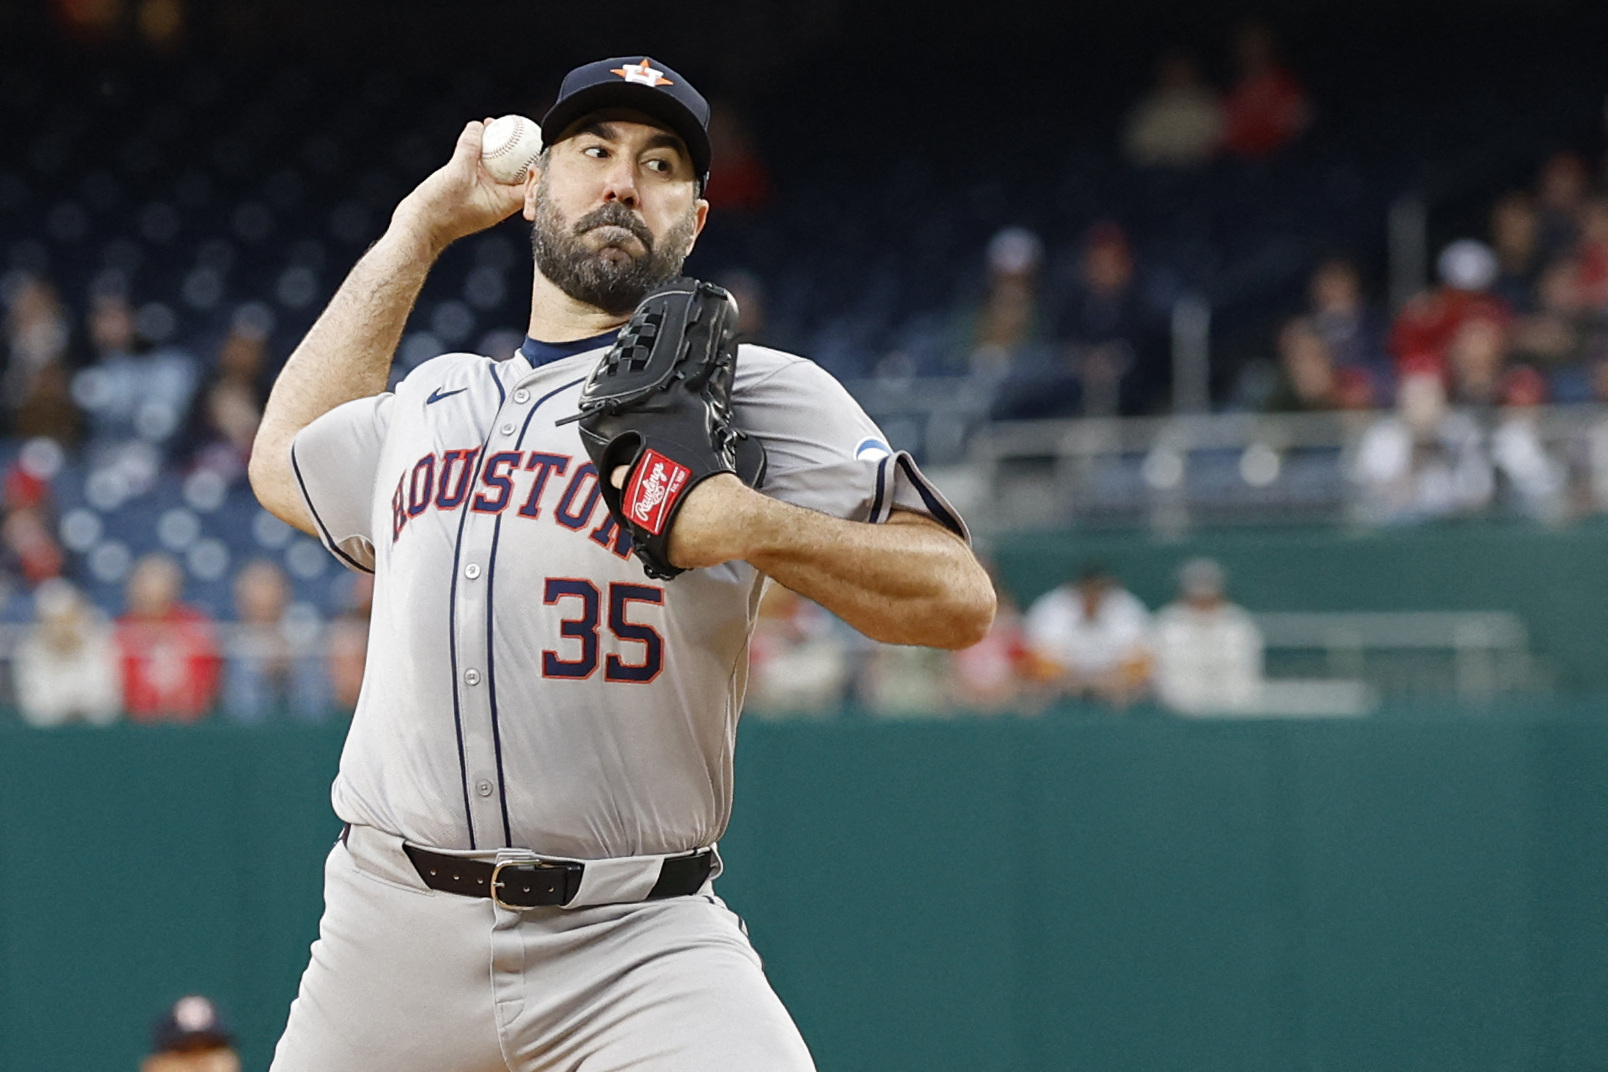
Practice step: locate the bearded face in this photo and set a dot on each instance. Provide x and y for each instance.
(608, 258)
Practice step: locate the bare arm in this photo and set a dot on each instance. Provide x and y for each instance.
(910, 581)
(347, 353)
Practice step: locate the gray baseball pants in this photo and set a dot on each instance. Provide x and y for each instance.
(404, 978)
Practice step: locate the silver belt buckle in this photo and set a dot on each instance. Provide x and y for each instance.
(506, 859)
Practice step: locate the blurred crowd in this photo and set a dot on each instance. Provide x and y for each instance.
(1087, 641)
(1517, 319)
(165, 660)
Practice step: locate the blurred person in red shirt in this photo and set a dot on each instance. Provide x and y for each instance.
(1423, 333)
(1268, 107)
(170, 654)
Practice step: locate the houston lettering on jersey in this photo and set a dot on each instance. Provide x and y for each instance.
(446, 481)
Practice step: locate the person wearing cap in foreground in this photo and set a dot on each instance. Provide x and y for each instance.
(191, 1037)
(540, 763)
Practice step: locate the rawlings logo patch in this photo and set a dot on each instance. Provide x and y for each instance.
(653, 490)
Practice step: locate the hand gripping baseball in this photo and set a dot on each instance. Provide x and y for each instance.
(659, 404)
(459, 198)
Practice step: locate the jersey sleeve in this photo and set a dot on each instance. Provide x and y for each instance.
(335, 459)
(825, 453)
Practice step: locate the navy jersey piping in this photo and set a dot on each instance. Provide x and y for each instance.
(882, 487)
(491, 647)
(329, 539)
(452, 624)
(491, 683)
(934, 507)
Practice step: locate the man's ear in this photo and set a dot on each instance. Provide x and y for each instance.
(533, 179)
(701, 207)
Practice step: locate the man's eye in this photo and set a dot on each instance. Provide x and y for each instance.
(596, 152)
(660, 165)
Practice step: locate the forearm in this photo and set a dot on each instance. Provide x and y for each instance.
(346, 355)
(909, 581)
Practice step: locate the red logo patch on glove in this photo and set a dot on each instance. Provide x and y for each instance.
(653, 490)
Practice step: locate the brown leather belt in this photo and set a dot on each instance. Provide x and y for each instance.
(545, 883)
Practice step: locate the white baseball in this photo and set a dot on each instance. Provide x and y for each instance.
(508, 146)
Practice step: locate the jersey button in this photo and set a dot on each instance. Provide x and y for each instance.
(483, 788)
(471, 571)
(508, 429)
(521, 396)
(471, 677)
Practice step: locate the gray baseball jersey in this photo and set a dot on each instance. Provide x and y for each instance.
(527, 685)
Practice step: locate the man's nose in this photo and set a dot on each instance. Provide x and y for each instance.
(620, 183)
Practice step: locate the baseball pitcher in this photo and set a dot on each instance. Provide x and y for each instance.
(569, 544)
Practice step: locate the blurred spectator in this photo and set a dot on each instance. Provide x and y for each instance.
(1096, 636)
(1516, 241)
(1423, 333)
(901, 681)
(738, 180)
(272, 662)
(170, 656)
(34, 387)
(346, 643)
(1000, 672)
(1423, 461)
(1267, 108)
(1536, 481)
(229, 408)
(134, 390)
(1591, 256)
(1309, 379)
(1208, 650)
(191, 1037)
(1562, 337)
(29, 546)
(1561, 194)
(1180, 122)
(999, 332)
(66, 663)
(1478, 360)
(1354, 331)
(1108, 337)
(798, 660)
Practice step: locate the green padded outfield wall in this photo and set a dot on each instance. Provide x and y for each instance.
(1091, 894)
(1555, 579)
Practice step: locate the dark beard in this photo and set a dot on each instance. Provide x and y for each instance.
(586, 275)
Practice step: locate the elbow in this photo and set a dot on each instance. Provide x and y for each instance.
(969, 617)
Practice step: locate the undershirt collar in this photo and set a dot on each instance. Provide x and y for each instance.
(542, 353)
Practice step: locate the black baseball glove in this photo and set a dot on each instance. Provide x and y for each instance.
(659, 402)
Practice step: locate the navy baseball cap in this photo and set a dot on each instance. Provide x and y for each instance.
(640, 83)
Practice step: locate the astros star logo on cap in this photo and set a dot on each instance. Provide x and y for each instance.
(642, 73)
